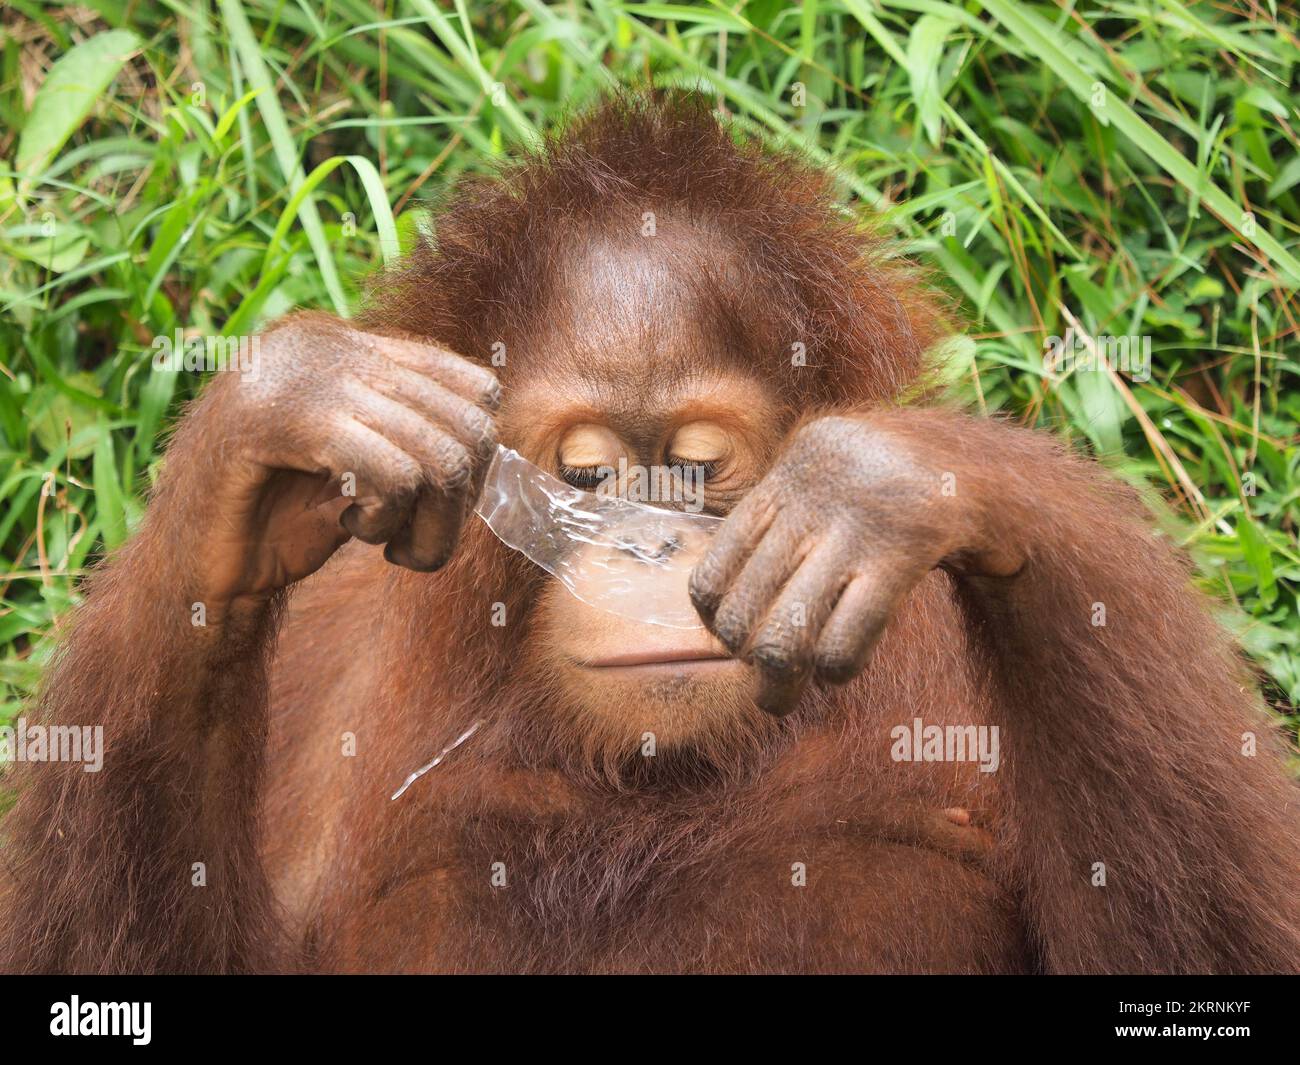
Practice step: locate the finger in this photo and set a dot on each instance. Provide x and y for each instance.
(789, 631)
(856, 623)
(383, 477)
(782, 647)
(748, 600)
(777, 688)
(475, 383)
(727, 554)
(446, 462)
(426, 543)
(452, 475)
(468, 423)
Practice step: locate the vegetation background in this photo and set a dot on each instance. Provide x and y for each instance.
(1125, 167)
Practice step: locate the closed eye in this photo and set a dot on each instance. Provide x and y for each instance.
(587, 478)
(701, 471)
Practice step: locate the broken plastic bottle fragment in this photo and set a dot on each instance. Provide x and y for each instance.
(627, 558)
(441, 755)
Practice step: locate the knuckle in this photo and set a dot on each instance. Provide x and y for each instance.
(367, 524)
(836, 664)
(426, 561)
(404, 476)
(490, 391)
(452, 464)
(834, 431)
(482, 430)
(703, 587)
(778, 657)
(776, 651)
(730, 626)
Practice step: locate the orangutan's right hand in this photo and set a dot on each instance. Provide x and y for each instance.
(336, 433)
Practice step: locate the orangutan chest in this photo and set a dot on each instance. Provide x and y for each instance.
(822, 904)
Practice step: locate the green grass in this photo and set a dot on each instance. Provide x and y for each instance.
(1129, 166)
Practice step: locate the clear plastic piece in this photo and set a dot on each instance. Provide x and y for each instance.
(624, 557)
(438, 759)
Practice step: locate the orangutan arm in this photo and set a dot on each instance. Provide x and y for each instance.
(151, 863)
(1124, 712)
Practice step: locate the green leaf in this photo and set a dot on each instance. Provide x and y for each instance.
(718, 19)
(70, 91)
(385, 226)
(110, 504)
(924, 58)
(57, 417)
(1256, 550)
(231, 114)
(58, 254)
(1287, 177)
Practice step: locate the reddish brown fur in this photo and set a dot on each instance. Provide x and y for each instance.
(801, 269)
(1120, 745)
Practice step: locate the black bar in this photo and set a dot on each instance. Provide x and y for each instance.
(434, 1015)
